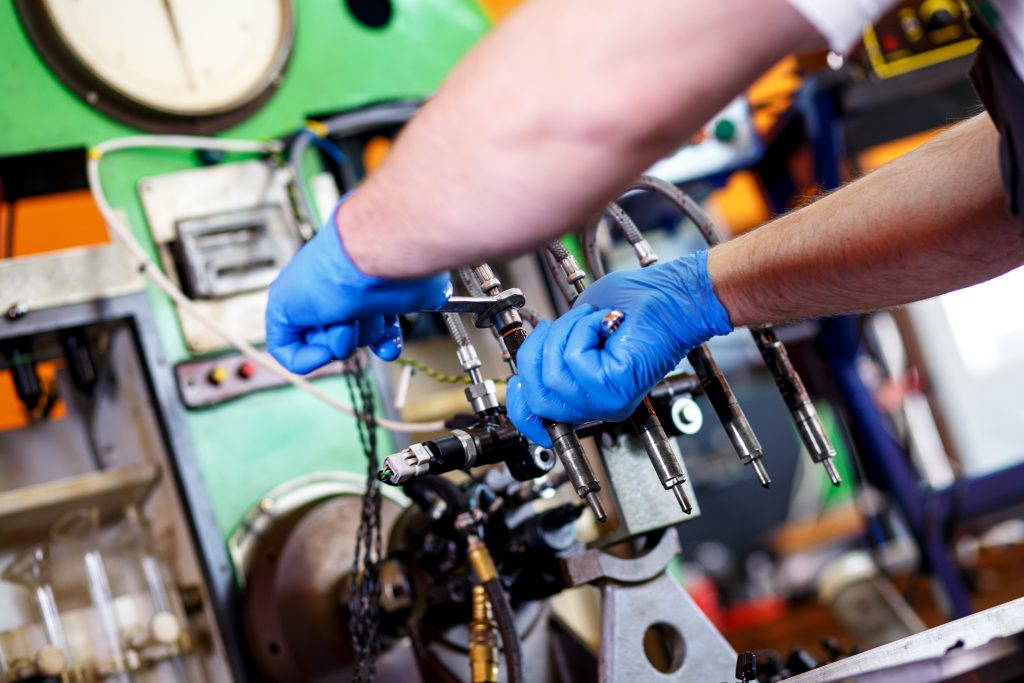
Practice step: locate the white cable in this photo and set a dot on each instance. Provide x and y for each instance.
(841, 22)
(123, 232)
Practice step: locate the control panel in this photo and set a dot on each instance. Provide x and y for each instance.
(918, 34)
(726, 143)
(212, 381)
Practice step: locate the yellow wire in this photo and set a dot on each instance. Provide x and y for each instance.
(436, 374)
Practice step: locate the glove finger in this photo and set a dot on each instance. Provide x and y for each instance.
(640, 350)
(587, 358)
(371, 328)
(558, 378)
(538, 397)
(522, 417)
(299, 357)
(341, 340)
(388, 346)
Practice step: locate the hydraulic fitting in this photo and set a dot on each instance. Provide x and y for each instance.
(482, 396)
(483, 639)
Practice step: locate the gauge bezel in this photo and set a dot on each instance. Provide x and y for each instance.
(98, 93)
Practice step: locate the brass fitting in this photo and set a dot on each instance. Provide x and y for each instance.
(483, 639)
(480, 560)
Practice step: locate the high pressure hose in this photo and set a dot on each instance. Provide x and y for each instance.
(592, 255)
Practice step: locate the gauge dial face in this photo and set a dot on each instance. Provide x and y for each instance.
(184, 58)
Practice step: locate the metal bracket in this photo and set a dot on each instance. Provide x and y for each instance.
(639, 595)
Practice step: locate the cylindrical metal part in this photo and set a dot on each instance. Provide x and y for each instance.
(482, 396)
(666, 464)
(727, 408)
(805, 416)
(569, 451)
(483, 639)
(79, 357)
(534, 462)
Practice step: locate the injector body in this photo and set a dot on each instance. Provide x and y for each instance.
(728, 410)
(564, 441)
(490, 440)
(790, 386)
(647, 426)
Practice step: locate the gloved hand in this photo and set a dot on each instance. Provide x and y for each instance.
(322, 308)
(569, 373)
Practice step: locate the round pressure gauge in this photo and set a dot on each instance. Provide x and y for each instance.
(166, 65)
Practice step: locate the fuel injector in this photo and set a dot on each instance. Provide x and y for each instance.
(716, 387)
(805, 417)
(644, 420)
(490, 440)
(646, 425)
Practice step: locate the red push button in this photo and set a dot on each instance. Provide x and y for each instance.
(247, 369)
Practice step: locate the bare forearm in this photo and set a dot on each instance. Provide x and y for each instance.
(928, 223)
(549, 117)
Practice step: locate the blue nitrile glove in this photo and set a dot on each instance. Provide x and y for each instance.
(569, 373)
(322, 308)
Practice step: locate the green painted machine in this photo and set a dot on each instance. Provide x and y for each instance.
(248, 446)
(77, 74)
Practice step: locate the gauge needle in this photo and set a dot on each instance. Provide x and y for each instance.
(177, 41)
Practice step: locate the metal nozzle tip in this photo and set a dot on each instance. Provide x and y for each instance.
(680, 495)
(595, 505)
(833, 475)
(762, 473)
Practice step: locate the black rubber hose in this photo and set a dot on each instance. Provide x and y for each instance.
(417, 489)
(506, 620)
(682, 201)
(591, 252)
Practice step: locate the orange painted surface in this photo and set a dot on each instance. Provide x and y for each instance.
(740, 205)
(772, 94)
(12, 413)
(374, 151)
(872, 158)
(56, 221)
(496, 10)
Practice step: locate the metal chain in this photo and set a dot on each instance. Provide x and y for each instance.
(364, 600)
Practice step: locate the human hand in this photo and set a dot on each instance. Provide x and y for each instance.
(322, 307)
(568, 372)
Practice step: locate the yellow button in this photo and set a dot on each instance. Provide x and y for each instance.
(218, 375)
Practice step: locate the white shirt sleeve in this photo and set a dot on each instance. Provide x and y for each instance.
(841, 22)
